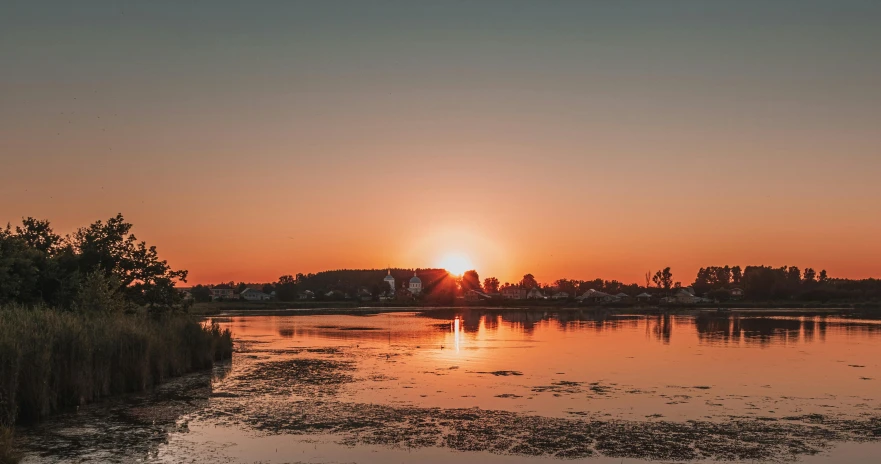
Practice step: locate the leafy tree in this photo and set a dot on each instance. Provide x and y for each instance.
(528, 281)
(736, 274)
(720, 294)
(99, 293)
(810, 276)
(379, 290)
(794, 275)
(38, 234)
(112, 249)
(286, 288)
(471, 281)
(201, 294)
(663, 279)
(566, 285)
(491, 285)
(822, 277)
(37, 265)
(723, 275)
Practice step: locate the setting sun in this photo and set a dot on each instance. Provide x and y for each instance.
(456, 263)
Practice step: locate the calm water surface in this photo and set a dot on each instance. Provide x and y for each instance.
(505, 386)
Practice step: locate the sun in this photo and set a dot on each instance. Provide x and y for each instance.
(456, 263)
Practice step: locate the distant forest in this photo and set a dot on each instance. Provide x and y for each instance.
(759, 283)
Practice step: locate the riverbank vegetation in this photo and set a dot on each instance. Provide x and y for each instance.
(88, 315)
(57, 360)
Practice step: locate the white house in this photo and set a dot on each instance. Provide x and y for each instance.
(512, 292)
(683, 296)
(560, 296)
(643, 297)
(254, 295)
(535, 294)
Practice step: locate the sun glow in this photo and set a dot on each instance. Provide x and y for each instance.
(456, 263)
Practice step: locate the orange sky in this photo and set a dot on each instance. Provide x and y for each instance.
(579, 141)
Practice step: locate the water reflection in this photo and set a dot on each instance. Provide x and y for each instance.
(709, 327)
(777, 330)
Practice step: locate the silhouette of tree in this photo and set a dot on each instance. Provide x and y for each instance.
(810, 276)
(663, 279)
(736, 274)
(528, 281)
(286, 288)
(471, 281)
(491, 285)
(38, 234)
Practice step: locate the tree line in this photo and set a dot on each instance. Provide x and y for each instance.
(100, 267)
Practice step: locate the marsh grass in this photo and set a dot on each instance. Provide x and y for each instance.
(52, 360)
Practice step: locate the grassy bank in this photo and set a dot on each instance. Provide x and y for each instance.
(51, 360)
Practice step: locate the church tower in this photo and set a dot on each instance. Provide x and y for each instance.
(415, 284)
(390, 281)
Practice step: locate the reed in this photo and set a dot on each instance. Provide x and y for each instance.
(53, 360)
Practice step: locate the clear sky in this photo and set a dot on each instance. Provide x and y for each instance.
(575, 139)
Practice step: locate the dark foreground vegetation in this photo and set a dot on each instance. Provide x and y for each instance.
(53, 360)
(88, 315)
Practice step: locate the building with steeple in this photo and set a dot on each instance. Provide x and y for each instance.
(415, 285)
(390, 281)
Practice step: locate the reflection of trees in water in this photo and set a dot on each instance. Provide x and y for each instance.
(661, 327)
(776, 330)
(731, 328)
(526, 321)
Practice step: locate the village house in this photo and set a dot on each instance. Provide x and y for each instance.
(595, 296)
(513, 292)
(475, 295)
(535, 294)
(736, 293)
(186, 293)
(560, 296)
(643, 297)
(223, 292)
(685, 296)
(254, 295)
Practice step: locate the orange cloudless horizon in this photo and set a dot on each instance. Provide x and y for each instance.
(578, 140)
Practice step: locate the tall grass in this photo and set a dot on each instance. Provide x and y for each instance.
(52, 360)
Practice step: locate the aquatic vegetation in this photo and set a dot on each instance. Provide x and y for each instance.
(52, 360)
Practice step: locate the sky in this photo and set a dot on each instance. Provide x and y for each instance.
(575, 139)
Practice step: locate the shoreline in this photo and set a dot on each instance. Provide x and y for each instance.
(683, 311)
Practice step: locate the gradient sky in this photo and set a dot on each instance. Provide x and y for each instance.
(564, 138)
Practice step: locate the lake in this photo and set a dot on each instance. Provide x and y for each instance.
(503, 386)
